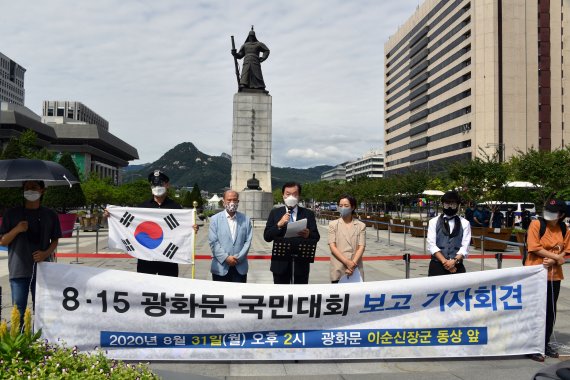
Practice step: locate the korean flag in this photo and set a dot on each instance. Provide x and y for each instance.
(152, 234)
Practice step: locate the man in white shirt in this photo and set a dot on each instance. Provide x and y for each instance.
(448, 239)
(230, 237)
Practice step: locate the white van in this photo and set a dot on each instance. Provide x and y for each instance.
(517, 207)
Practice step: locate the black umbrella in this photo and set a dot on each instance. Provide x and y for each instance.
(14, 172)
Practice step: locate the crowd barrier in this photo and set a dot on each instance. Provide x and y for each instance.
(377, 225)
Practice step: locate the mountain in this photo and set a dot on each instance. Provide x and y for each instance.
(186, 165)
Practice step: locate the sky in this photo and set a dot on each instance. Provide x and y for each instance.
(161, 73)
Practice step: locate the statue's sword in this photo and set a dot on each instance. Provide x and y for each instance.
(235, 60)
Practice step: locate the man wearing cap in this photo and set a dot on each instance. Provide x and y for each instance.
(159, 184)
(549, 246)
(448, 239)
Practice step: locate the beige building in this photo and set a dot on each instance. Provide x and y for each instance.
(465, 78)
(370, 165)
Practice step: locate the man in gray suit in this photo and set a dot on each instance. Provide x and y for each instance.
(230, 238)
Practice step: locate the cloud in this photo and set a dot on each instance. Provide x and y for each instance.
(161, 72)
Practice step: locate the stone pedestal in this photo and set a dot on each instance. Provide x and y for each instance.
(251, 140)
(255, 203)
(251, 153)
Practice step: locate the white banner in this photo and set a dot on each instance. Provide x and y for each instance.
(153, 234)
(145, 317)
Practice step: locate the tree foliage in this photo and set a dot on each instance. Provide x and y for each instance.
(549, 170)
(23, 146)
(98, 191)
(63, 198)
(193, 196)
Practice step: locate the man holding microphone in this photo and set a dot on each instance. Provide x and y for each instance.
(290, 270)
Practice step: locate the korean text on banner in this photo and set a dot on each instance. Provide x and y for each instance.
(152, 234)
(144, 317)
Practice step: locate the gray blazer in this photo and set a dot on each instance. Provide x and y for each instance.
(222, 245)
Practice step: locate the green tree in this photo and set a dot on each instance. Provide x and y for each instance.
(63, 198)
(131, 193)
(549, 170)
(194, 196)
(97, 191)
(481, 178)
(23, 146)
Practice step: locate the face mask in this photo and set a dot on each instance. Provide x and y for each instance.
(450, 211)
(158, 191)
(291, 201)
(31, 195)
(345, 211)
(231, 207)
(550, 215)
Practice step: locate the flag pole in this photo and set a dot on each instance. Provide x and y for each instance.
(195, 204)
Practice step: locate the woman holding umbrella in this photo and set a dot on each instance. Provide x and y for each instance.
(31, 233)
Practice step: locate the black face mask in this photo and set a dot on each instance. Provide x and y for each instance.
(450, 211)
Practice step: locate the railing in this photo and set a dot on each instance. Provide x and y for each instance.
(499, 256)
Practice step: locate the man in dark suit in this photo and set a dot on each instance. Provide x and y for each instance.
(284, 272)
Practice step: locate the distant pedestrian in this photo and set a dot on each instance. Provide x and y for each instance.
(481, 216)
(347, 241)
(526, 218)
(509, 217)
(448, 239)
(497, 218)
(469, 213)
(230, 237)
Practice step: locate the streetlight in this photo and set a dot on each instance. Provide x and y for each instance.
(500, 150)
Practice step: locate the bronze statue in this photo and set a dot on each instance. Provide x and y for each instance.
(251, 76)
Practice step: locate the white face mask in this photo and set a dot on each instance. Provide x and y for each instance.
(158, 191)
(32, 195)
(291, 201)
(547, 215)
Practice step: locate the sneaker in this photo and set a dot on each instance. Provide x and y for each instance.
(551, 352)
(536, 357)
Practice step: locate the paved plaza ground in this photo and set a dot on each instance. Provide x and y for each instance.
(379, 244)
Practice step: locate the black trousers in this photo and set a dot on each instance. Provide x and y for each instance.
(553, 290)
(437, 269)
(157, 267)
(287, 278)
(286, 275)
(232, 276)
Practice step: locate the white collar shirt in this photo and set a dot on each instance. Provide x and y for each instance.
(232, 223)
(465, 242)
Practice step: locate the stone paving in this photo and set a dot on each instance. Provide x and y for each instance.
(379, 243)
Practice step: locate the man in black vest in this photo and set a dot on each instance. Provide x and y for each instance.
(284, 272)
(448, 239)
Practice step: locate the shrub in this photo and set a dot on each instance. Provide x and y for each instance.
(24, 355)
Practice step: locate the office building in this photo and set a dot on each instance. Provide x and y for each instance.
(63, 127)
(85, 135)
(338, 173)
(465, 79)
(11, 81)
(370, 165)
(60, 112)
